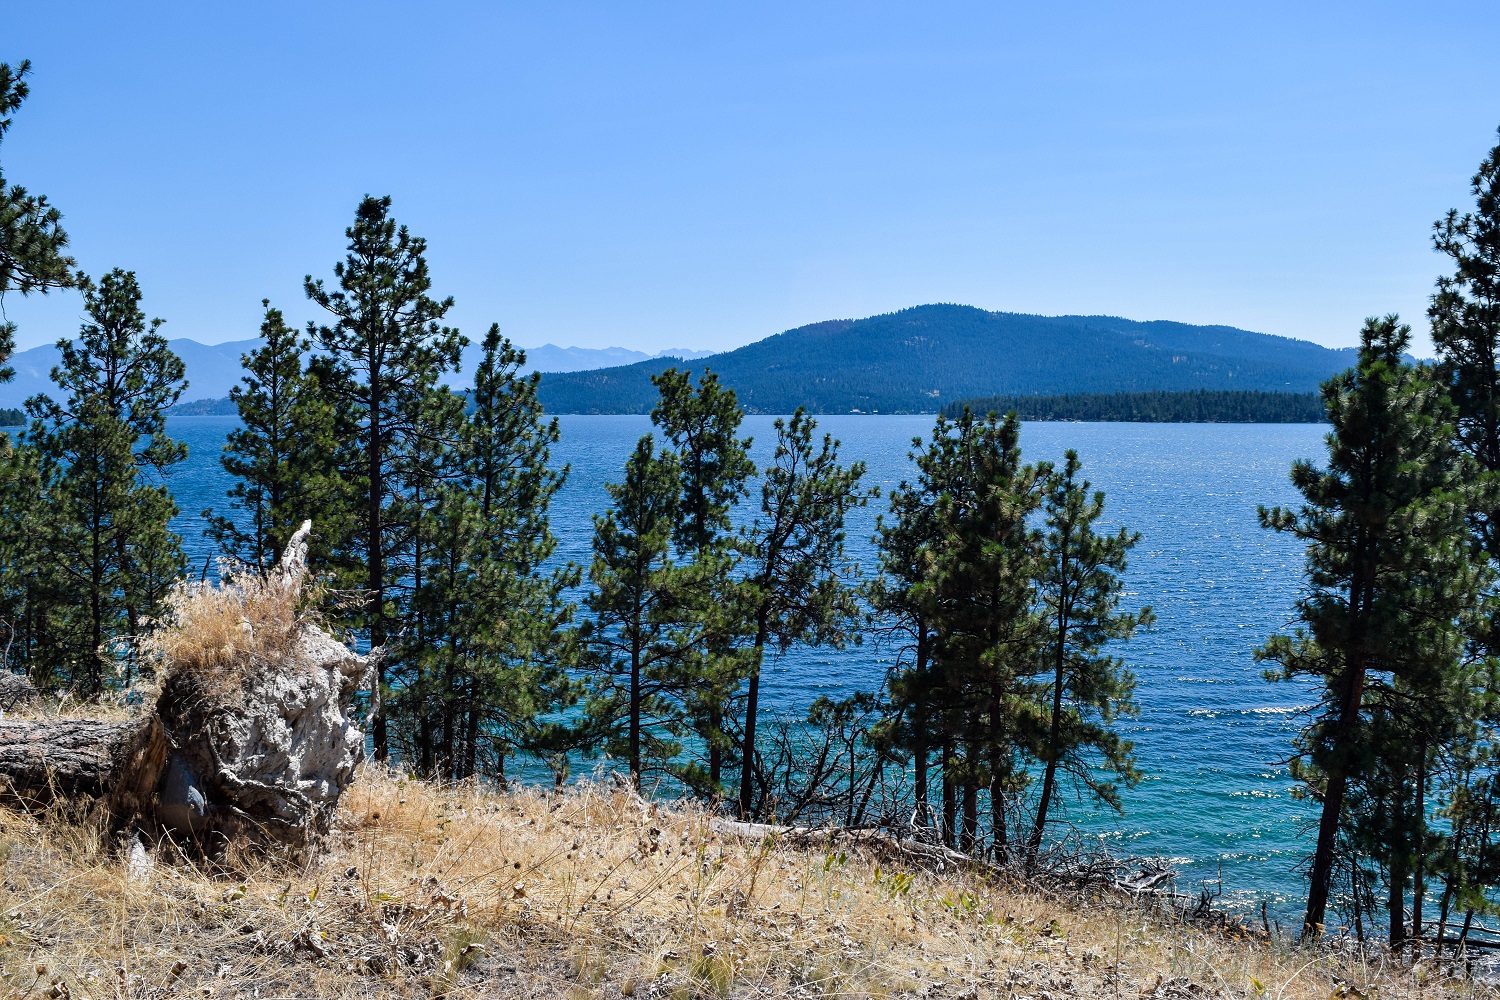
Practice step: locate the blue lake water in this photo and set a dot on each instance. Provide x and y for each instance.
(1211, 734)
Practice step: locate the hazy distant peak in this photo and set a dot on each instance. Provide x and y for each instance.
(685, 353)
(213, 369)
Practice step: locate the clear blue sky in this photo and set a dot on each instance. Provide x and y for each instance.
(657, 175)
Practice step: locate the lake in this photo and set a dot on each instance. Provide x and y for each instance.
(1212, 733)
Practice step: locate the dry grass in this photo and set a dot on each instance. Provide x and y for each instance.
(245, 617)
(461, 893)
(212, 632)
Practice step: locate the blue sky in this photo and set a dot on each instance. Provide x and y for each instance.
(657, 175)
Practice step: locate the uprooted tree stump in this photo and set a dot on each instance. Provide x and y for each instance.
(251, 737)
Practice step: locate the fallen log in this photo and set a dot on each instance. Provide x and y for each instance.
(77, 759)
(252, 735)
(914, 850)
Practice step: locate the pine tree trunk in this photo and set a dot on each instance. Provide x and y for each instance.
(1359, 917)
(747, 763)
(96, 614)
(1449, 884)
(999, 749)
(132, 613)
(471, 740)
(427, 749)
(375, 558)
(77, 760)
(449, 741)
(970, 835)
(715, 752)
(950, 796)
(635, 713)
(1321, 876)
(999, 827)
(919, 723)
(752, 708)
(1396, 899)
(1419, 827)
(425, 763)
(1054, 733)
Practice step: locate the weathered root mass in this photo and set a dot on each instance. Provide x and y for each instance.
(251, 736)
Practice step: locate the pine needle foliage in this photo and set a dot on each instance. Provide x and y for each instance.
(637, 633)
(33, 245)
(489, 646)
(103, 453)
(1079, 587)
(281, 457)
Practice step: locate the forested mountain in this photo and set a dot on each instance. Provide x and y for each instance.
(1200, 406)
(918, 359)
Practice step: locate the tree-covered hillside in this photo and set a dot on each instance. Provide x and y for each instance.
(918, 359)
(1200, 406)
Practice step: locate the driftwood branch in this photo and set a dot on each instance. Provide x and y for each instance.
(913, 849)
(1137, 879)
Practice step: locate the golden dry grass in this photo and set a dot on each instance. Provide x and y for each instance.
(457, 892)
(214, 632)
(243, 619)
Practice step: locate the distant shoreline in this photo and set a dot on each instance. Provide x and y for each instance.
(1198, 406)
(1162, 407)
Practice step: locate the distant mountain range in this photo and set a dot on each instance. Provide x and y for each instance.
(551, 358)
(213, 369)
(912, 361)
(918, 359)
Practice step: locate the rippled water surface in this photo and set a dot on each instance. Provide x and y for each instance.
(1211, 732)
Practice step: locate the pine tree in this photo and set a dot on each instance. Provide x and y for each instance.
(104, 450)
(903, 599)
(512, 615)
(388, 350)
(1392, 577)
(89, 474)
(423, 522)
(1080, 589)
(794, 590)
(281, 457)
(638, 592)
(32, 259)
(432, 691)
(32, 241)
(986, 631)
(702, 426)
(1465, 315)
(1469, 863)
